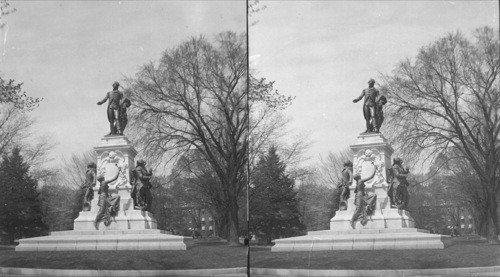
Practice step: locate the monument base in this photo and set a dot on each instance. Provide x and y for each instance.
(386, 228)
(129, 230)
(362, 239)
(89, 240)
(131, 219)
(384, 218)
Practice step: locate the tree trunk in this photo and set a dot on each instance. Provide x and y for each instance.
(269, 240)
(11, 237)
(233, 238)
(483, 227)
(222, 223)
(492, 219)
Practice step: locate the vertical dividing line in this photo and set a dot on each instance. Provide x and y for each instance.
(248, 142)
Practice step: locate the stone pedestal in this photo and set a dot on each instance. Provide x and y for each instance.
(129, 230)
(388, 228)
(115, 154)
(372, 153)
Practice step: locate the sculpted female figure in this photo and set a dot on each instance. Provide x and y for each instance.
(365, 203)
(108, 204)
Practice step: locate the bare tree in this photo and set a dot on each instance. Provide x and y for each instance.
(315, 203)
(268, 128)
(194, 103)
(195, 98)
(14, 126)
(465, 187)
(16, 129)
(15, 123)
(5, 10)
(14, 105)
(12, 93)
(448, 96)
(60, 203)
(196, 186)
(255, 6)
(73, 173)
(330, 168)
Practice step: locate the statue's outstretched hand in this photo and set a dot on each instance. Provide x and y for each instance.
(355, 101)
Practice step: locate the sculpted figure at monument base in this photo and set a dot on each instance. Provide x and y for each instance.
(141, 193)
(365, 203)
(109, 204)
(398, 188)
(342, 192)
(88, 186)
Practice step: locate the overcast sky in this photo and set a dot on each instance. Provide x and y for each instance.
(322, 52)
(70, 52)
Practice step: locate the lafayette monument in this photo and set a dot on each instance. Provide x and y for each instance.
(376, 217)
(120, 219)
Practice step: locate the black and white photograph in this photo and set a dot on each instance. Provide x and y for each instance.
(249, 138)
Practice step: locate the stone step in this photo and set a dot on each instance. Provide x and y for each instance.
(368, 231)
(98, 241)
(108, 232)
(355, 240)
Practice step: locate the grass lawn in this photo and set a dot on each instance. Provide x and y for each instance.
(200, 255)
(459, 255)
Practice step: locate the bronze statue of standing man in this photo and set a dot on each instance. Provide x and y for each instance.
(114, 99)
(370, 106)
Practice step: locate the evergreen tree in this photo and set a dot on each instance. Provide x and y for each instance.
(20, 213)
(274, 203)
